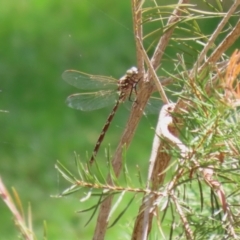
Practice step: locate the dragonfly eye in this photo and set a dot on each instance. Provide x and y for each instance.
(132, 71)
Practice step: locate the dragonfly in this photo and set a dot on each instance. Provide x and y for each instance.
(108, 91)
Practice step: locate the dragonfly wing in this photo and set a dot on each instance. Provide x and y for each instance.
(153, 106)
(91, 101)
(86, 81)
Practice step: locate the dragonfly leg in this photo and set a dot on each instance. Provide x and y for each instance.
(133, 88)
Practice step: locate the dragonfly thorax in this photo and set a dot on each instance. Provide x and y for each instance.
(127, 83)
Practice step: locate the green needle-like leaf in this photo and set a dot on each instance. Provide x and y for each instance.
(124, 210)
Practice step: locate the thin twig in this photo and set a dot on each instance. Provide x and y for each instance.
(138, 31)
(188, 232)
(164, 40)
(153, 73)
(216, 33)
(223, 46)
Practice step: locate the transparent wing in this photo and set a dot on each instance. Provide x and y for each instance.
(86, 81)
(153, 106)
(92, 101)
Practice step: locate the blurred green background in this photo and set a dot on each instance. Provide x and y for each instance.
(39, 40)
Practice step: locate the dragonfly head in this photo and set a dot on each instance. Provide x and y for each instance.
(132, 71)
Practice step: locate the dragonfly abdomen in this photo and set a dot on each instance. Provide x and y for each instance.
(103, 133)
